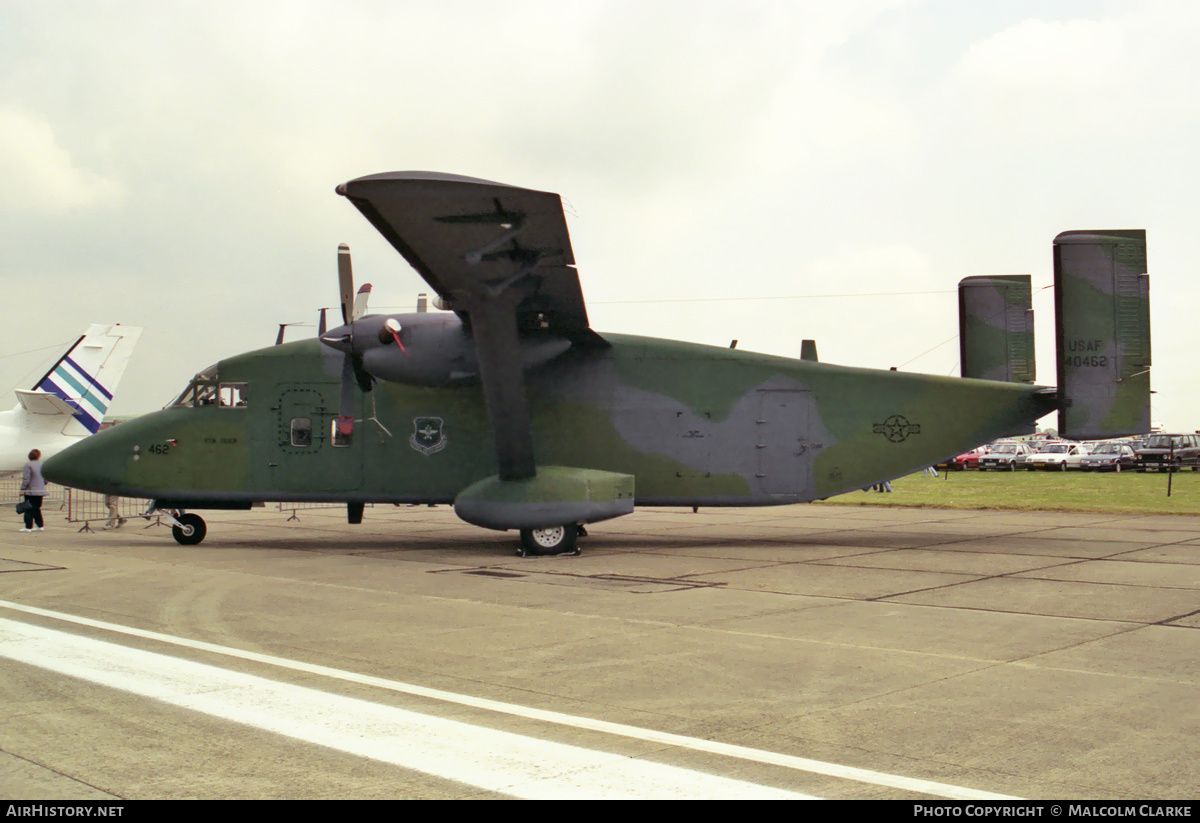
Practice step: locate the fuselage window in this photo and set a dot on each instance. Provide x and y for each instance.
(301, 431)
(338, 439)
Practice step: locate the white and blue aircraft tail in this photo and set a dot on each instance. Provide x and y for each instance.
(71, 400)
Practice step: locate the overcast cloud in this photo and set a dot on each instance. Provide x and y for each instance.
(173, 165)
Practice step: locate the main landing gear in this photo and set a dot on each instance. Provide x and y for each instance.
(552, 541)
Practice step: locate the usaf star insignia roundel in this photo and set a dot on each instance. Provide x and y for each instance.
(427, 437)
(897, 428)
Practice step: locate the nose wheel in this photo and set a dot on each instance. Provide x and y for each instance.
(189, 529)
(556, 540)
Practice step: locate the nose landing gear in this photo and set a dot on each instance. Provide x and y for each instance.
(187, 529)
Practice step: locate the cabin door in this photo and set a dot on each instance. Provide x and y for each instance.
(784, 453)
(311, 459)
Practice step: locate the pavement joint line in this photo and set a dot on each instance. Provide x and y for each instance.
(62, 774)
(696, 744)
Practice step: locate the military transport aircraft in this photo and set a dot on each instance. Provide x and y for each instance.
(512, 408)
(70, 401)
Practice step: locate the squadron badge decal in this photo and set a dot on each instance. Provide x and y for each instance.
(897, 428)
(427, 437)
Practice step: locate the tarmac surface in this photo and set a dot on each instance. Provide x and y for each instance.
(817, 650)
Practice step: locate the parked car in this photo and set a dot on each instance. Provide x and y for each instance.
(1110, 457)
(1057, 456)
(1036, 448)
(1169, 452)
(966, 460)
(1002, 456)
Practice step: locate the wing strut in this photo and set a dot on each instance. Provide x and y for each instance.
(494, 326)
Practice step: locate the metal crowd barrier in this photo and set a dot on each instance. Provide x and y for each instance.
(89, 507)
(10, 491)
(298, 507)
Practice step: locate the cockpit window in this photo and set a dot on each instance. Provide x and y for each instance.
(205, 390)
(201, 391)
(233, 395)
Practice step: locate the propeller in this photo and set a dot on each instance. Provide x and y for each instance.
(358, 336)
(353, 306)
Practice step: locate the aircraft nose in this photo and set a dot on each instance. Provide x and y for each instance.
(81, 466)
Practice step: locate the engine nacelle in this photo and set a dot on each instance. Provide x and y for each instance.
(428, 349)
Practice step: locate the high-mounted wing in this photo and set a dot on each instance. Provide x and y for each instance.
(469, 237)
(499, 256)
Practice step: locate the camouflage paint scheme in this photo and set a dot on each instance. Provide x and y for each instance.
(695, 425)
(513, 409)
(996, 328)
(1102, 307)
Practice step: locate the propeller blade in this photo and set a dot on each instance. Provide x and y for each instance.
(366, 380)
(321, 324)
(360, 301)
(345, 282)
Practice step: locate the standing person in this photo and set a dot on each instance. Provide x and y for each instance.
(115, 520)
(34, 489)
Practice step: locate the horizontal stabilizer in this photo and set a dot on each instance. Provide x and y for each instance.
(44, 404)
(995, 328)
(1102, 314)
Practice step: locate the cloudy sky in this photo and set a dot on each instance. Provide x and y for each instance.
(765, 171)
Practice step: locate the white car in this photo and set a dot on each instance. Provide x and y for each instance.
(1057, 456)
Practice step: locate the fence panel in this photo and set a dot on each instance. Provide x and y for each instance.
(87, 507)
(10, 491)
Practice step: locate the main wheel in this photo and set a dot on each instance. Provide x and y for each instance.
(556, 540)
(192, 531)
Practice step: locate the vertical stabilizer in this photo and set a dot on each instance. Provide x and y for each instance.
(1102, 322)
(86, 377)
(995, 328)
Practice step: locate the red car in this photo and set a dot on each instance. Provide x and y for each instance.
(966, 460)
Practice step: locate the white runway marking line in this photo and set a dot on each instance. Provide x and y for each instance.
(740, 752)
(497, 761)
